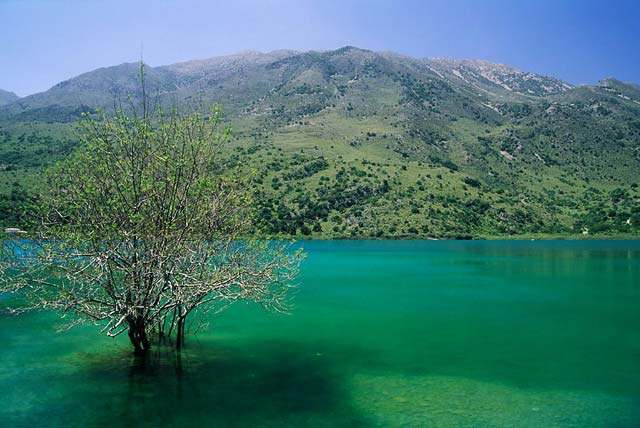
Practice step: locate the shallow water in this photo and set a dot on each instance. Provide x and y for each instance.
(389, 334)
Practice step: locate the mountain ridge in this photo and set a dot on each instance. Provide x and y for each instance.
(245, 54)
(275, 55)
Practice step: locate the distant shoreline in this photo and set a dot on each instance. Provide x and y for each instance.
(460, 237)
(464, 238)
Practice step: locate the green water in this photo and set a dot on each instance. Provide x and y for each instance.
(388, 334)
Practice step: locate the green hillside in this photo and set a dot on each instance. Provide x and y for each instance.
(354, 143)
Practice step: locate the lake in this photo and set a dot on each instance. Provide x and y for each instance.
(382, 334)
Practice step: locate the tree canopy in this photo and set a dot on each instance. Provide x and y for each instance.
(145, 225)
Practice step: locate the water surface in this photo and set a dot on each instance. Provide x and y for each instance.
(389, 334)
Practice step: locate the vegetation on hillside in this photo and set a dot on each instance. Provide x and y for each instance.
(357, 144)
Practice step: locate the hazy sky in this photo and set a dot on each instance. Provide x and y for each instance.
(45, 41)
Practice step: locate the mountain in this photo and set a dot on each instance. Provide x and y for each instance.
(244, 75)
(7, 97)
(356, 143)
(240, 79)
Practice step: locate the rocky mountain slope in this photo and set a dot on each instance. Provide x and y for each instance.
(355, 143)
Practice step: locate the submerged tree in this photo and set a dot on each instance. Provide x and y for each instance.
(143, 227)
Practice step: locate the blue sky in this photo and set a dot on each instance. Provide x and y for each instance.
(581, 41)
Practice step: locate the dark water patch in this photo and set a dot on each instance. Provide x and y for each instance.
(268, 384)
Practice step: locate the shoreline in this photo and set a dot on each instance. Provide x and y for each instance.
(531, 237)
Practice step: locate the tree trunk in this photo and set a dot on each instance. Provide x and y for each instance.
(138, 337)
(180, 333)
(161, 327)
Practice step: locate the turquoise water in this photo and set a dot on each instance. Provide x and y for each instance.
(388, 334)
